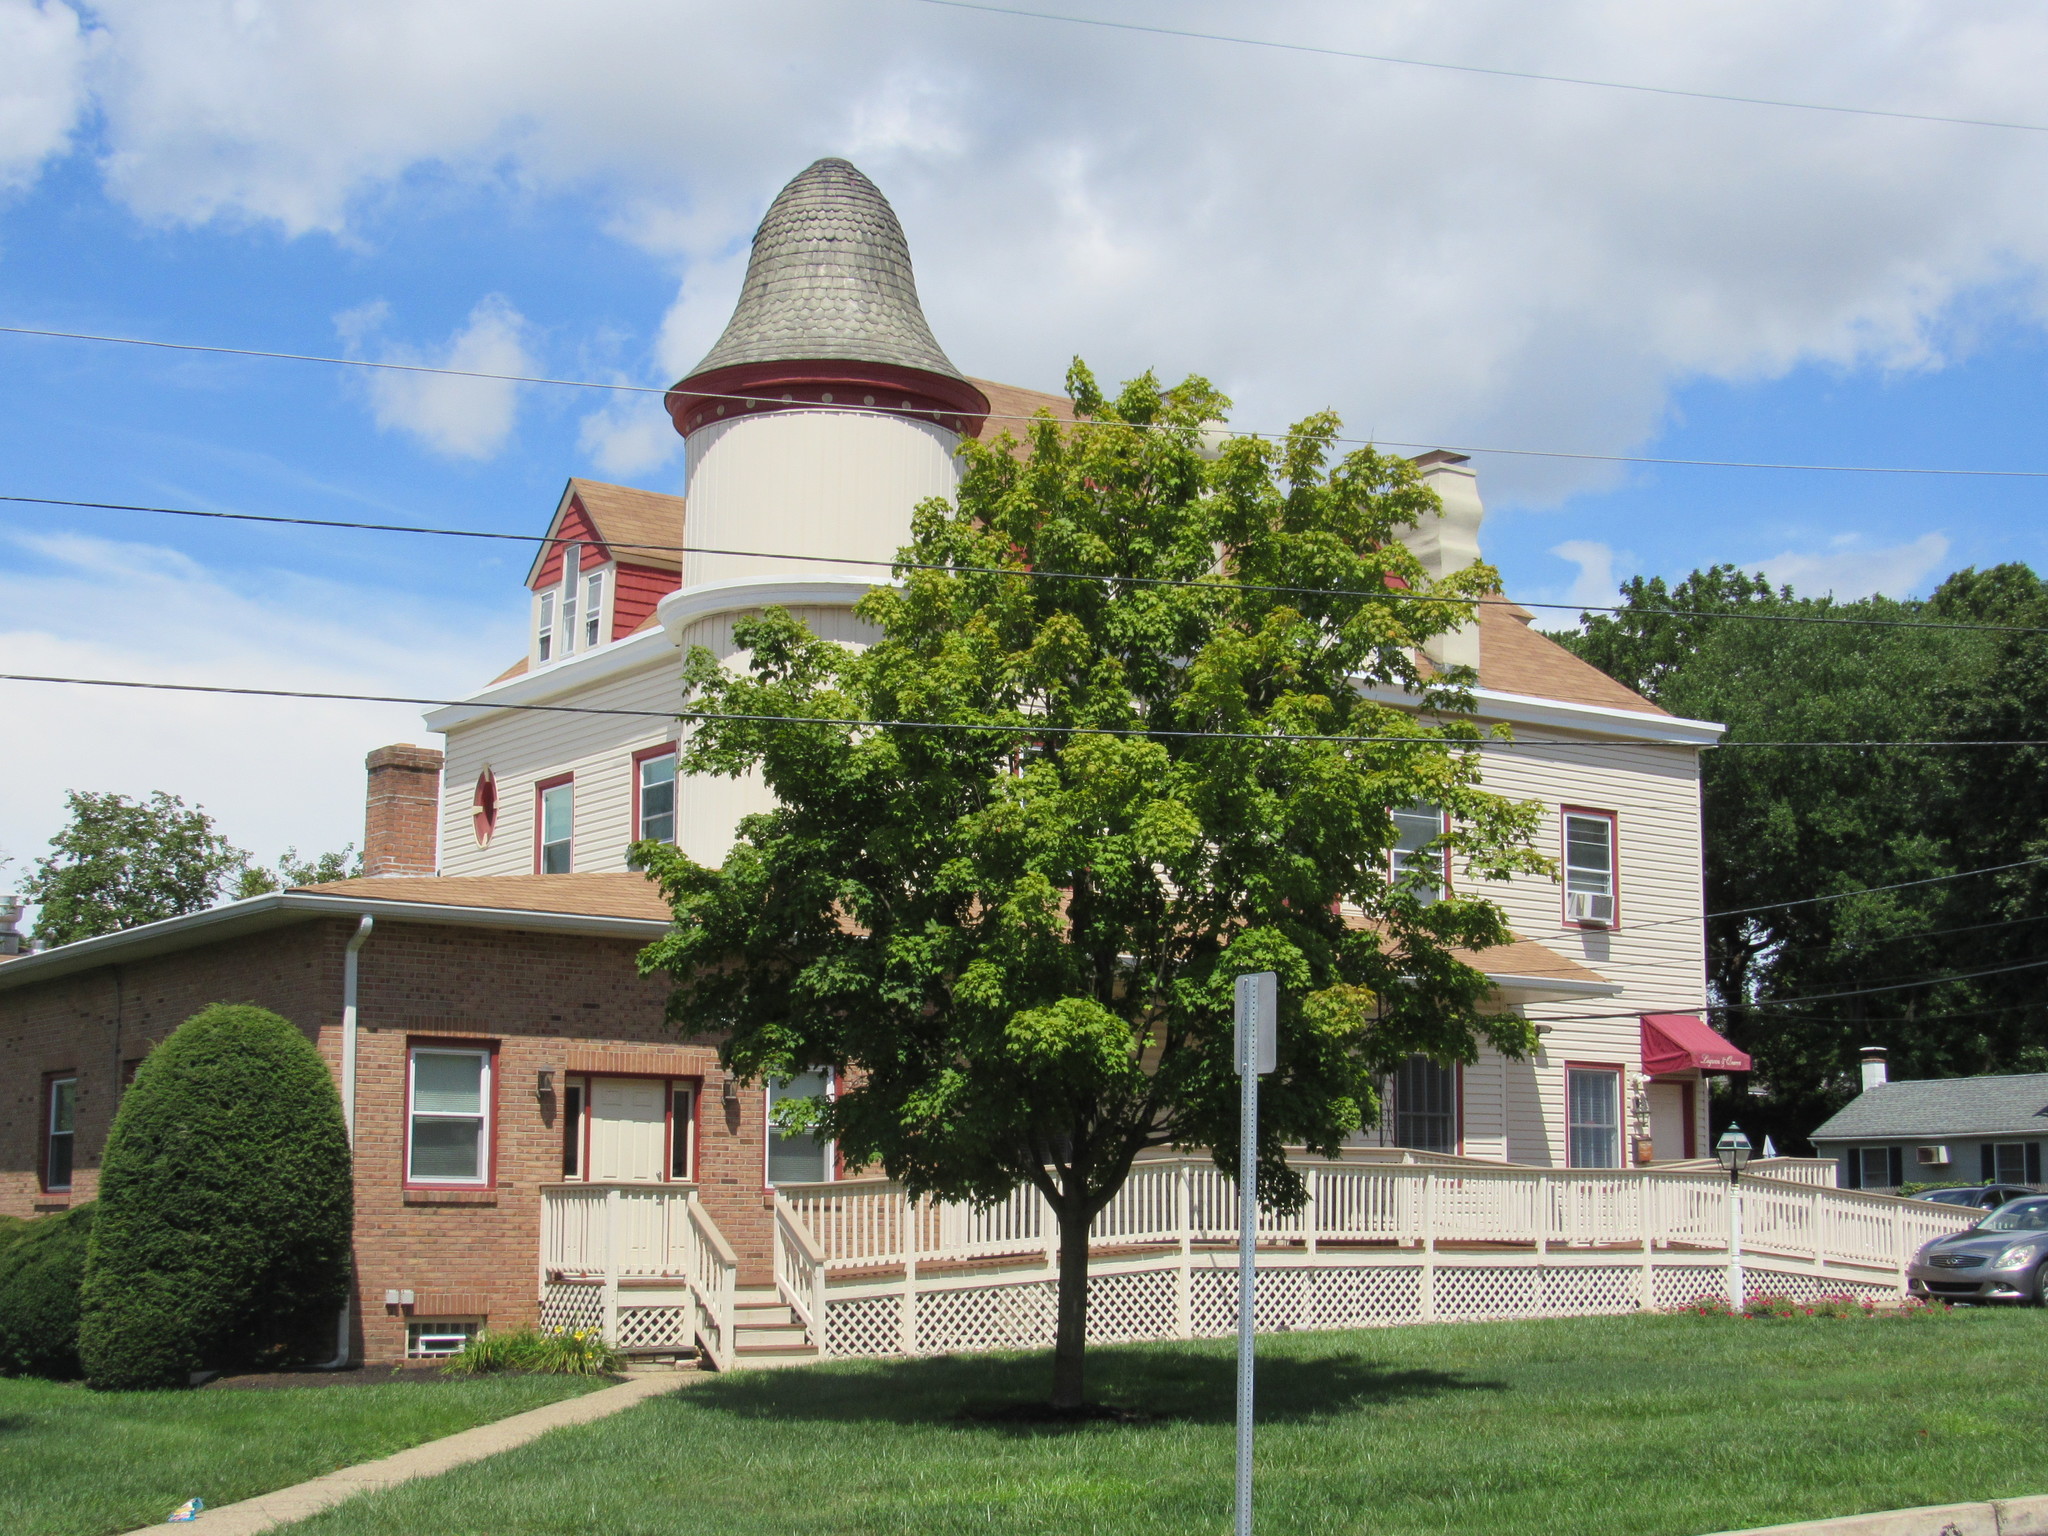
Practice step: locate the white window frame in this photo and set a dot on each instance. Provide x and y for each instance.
(51, 1096)
(1998, 1151)
(1615, 1128)
(1400, 860)
(593, 608)
(831, 1148)
(1397, 1111)
(441, 1330)
(1582, 879)
(541, 843)
(414, 1114)
(544, 626)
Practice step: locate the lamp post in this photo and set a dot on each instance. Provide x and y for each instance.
(1733, 1151)
(1257, 1020)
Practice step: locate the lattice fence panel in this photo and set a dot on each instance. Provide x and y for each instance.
(1283, 1302)
(563, 1307)
(864, 1325)
(1681, 1285)
(1488, 1292)
(1018, 1316)
(1131, 1306)
(655, 1328)
(1770, 1282)
(1363, 1298)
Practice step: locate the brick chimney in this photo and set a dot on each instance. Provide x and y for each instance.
(401, 829)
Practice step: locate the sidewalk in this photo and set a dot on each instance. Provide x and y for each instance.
(269, 1510)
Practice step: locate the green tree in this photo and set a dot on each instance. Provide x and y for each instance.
(41, 1269)
(225, 1208)
(254, 880)
(1016, 940)
(119, 862)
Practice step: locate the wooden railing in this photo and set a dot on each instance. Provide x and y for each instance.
(800, 1272)
(1189, 1201)
(610, 1233)
(714, 1278)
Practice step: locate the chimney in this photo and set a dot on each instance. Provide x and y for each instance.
(401, 827)
(10, 915)
(1873, 1067)
(1449, 542)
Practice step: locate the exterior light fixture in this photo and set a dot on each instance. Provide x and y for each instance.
(1733, 1152)
(544, 1083)
(732, 1088)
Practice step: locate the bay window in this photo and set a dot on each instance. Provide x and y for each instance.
(449, 1109)
(593, 607)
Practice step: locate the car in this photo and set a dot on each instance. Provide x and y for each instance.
(1986, 1197)
(2002, 1258)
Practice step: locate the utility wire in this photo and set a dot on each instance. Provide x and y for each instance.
(1479, 69)
(655, 389)
(1216, 584)
(1774, 1002)
(1808, 901)
(1032, 729)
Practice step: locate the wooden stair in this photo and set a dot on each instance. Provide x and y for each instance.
(766, 1334)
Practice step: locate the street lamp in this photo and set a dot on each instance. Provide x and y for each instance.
(1733, 1151)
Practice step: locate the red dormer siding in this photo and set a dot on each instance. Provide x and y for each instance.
(636, 589)
(575, 524)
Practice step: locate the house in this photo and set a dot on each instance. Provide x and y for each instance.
(1942, 1130)
(517, 1103)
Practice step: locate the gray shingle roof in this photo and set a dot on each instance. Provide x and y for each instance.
(829, 279)
(1944, 1106)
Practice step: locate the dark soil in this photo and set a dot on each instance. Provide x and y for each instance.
(426, 1374)
(1027, 1415)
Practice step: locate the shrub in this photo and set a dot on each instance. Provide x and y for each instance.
(42, 1266)
(570, 1352)
(226, 1208)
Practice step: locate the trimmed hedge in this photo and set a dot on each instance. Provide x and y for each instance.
(42, 1265)
(226, 1209)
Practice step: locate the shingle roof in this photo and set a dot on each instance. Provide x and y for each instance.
(1514, 657)
(638, 527)
(829, 278)
(621, 894)
(1944, 1106)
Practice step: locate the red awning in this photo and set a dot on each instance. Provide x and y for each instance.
(1682, 1042)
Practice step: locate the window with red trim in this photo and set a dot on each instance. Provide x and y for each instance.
(654, 794)
(1415, 827)
(1592, 879)
(554, 826)
(484, 807)
(448, 1115)
(1593, 1116)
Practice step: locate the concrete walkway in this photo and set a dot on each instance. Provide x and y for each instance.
(1994, 1517)
(269, 1510)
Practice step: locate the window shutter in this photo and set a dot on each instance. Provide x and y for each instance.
(1987, 1164)
(2033, 1162)
(1897, 1165)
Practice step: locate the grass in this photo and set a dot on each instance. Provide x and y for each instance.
(1636, 1426)
(79, 1463)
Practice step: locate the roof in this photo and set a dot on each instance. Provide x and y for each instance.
(1944, 1106)
(1516, 658)
(623, 894)
(1531, 971)
(1011, 408)
(1685, 1042)
(638, 527)
(829, 277)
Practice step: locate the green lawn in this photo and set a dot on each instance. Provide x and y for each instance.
(79, 1463)
(1632, 1426)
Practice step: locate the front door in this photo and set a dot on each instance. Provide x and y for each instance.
(628, 1130)
(1671, 1121)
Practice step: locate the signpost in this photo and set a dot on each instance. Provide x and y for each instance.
(1258, 1005)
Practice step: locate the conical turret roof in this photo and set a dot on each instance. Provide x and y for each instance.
(829, 279)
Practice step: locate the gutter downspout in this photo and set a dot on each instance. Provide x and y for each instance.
(349, 976)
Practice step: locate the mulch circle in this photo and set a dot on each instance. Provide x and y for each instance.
(361, 1376)
(1029, 1414)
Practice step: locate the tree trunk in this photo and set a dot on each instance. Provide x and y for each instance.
(1070, 1343)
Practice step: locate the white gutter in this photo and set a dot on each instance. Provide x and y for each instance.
(1598, 719)
(342, 1342)
(646, 648)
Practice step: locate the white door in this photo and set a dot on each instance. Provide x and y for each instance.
(628, 1129)
(1667, 1121)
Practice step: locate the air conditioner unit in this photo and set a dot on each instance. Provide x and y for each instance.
(1930, 1157)
(1586, 908)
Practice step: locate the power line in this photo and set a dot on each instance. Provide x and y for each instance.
(750, 400)
(1216, 584)
(1774, 1002)
(1807, 901)
(1479, 69)
(1491, 743)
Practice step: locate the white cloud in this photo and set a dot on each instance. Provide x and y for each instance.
(630, 435)
(43, 52)
(273, 772)
(1595, 585)
(462, 418)
(1440, 256)
(1849, 570)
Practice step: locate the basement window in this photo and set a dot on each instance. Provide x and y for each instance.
(436, 1338)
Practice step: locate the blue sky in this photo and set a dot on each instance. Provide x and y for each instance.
(570, 191)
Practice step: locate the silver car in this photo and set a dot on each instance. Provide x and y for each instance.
(2002, 1258)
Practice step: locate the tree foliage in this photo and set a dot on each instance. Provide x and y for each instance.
(119, 862)
(225, 1208)
(1787, 824)
(324, 869)
(41, 1269)
(1016, 941)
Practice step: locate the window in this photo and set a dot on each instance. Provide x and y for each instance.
(798, 1158)
(60, 1103)
(2009, 1163)
(682, 1126)
(1415, 826)
(593, 607)
(1876, 1167)
(437, 1337)
(572, 565)
(572, 1130)
(654, 795)
(1589, 883)
(1426, 1106)
(450, 1106)
(547, 626)
(1593, 1097)
(556, 832)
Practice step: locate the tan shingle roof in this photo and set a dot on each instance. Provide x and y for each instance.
(624, 894)
(639, 527)
(1516, 658)
(1009, 409)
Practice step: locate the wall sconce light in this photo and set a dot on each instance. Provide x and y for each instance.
(732, 1088)
(545, 1084)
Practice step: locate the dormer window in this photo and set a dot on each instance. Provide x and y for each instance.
(547, 626)
(593, 607)
(572, 568)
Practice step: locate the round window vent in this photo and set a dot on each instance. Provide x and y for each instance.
(485, 805)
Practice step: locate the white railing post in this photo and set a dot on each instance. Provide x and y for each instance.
(908, 1305)
(1312, 1211)
(611, 1266)
(1184, 1274)
(1646, 1197)
(1819, 1204)
(1427, 1299)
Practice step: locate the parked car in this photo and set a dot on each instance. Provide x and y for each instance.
(1985, 1197)
(2002, 1258)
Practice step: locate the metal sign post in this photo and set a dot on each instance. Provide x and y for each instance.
(1258, 1004)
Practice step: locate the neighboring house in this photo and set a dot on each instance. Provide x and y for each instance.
(1942, 1130)
(511, 1067)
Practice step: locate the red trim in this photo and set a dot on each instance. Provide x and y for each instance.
(666, 749)
(951, 403)
(1685, 1042)
(470, 1044)
(484, 803)
(1691, 1114)
(574, 525)
(1621, 1131)
(48, 1103)
(636, 589)
(1613, 860)
(540, 790)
